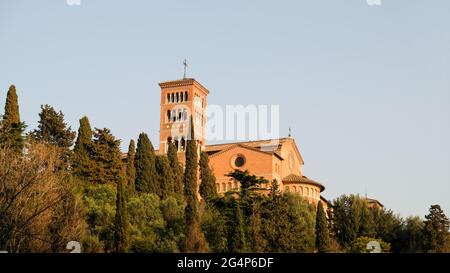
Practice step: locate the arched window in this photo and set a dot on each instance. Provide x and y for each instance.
(171, 98)
(294, 189)
(174, 115)
(179, 115)
(230, 187)
(184, 114)
(183, 144)
(168, 98)
(186, 96)
(181, 97)
(168, 115)
(224, 187)
(178, 97)
(300, 190)
(176, 143)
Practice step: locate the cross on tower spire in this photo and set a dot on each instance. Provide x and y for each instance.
(185, 68)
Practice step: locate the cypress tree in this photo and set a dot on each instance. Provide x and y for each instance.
(81, 162)
(165, 176)
(131, 169)
(106, 158)
(146, 177)
(12, 106)
(322, 233)
(11, 132)
(177, 169)
(194, 237)
(236, 233)
(436, 230)
(54, 131)
(208, 188)
(120, 221)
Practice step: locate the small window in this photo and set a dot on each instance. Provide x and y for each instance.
(239, 161)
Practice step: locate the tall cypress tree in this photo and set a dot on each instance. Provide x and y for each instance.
(146, 177)
(53, 130)
(120, 221)
(131, 169)
(194, 237)
(165, 176)
(176, 168)
(81, 161)
(11, 132)
(322, 233)
(236, 233)
(208, 188)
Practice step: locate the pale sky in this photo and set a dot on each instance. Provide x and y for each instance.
(366, 89)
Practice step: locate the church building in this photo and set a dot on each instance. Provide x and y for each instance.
(273, 159)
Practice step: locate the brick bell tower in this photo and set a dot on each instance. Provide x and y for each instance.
(179, 100)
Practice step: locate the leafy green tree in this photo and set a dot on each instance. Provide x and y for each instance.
(177, 169)
(145, 163)
(120, 221)
(364, 245)
(436, 230)
(106, 158)
(257, 242)
(412, 235)
(208, 188)
(172, 209)
(194, 237)
(250, 204)
(99, 203)
(146, 222)
(165, 176)
(248, 181)
(53, 130)
(214, 226)
(288, 224)
(388, 227)
(322, 233)
(351, 219)
(236, 235)
(82, 166)
(131, 169)
(11, 128)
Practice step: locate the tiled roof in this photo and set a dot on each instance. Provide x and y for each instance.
(293, 178)
(374, 201)
(264, 145)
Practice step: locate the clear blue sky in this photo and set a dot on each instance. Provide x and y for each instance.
(366, 89)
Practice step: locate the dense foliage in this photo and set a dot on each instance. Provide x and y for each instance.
(52, 193)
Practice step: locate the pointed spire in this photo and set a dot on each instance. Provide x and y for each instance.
(289, 135)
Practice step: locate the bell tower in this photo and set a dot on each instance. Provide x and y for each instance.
(181, 99)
